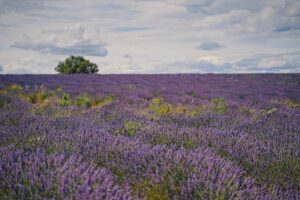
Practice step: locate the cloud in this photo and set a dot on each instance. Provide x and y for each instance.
(30, 65)
(285, 62)
(259, 63)
(210, 45)
(267, 19)
(1, 69)
(20, 5)
(203, 64)
(73, 40)
(130, 29)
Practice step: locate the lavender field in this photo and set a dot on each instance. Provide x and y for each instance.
(150, 136)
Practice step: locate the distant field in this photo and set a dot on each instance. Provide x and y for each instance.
(150, 136)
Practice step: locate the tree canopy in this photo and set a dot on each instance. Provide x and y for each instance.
(76, 65)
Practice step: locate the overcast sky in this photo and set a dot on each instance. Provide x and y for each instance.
(146, 36)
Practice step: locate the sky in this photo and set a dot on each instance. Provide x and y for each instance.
(149, 36)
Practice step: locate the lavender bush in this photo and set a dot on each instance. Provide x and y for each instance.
(150, 136)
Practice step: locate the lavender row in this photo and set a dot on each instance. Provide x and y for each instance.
(157, 137)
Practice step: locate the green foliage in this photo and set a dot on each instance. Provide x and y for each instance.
(76, 65)
(247, 111)
(159, 107)
(220, 105)
(57, 91)
(130, 128)
(15, 87)
(4, 101)
(45, 99)
(98, 102)
(290, 103)
(162, 139)
(150, 190)
(201, 109)
(175, 176)
(283, 171)
(179, 109)
(53, 148)
(11, 120)
(268, 112)
(38, 110)
(119, 173)
(188, 143)
(3, 92)
(83, 101)
(30, 141)
(8, 142)
(38, 97)
(65, 100)
(254, 114)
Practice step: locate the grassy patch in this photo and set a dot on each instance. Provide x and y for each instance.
(3, 92)
(4, 101)
(188, 143)
(15, 87)
(118, 173)
(150, 190)
(290, 103)
(283, 172)
(220, 105)
(161, 139)
(65, 100)
(31, 140)
(99, 102)
(38, 97)
(130, 128)
(199, 110)
(159, 107)
(83, 101)
(268, 112)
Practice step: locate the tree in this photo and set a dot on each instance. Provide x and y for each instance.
(76, 65)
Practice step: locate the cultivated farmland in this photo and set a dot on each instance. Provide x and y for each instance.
(150, 136)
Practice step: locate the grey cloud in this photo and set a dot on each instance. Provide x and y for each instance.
(260, 63)
(31, 65)
(198, 6)
(71, 40)
(196, 66)
(208, 67)
(285, 62)
(1, 69)
(268, 18)
(20, 5)
(85, 49)
(286, 28)
(210, 45)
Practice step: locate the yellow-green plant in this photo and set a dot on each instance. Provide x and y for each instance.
(220, 105)
(15, 87)
(290, 103)
(159, 107)
(38, 97)
(130, 128)
(98, 102)
(83, 101)
(65, 100)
